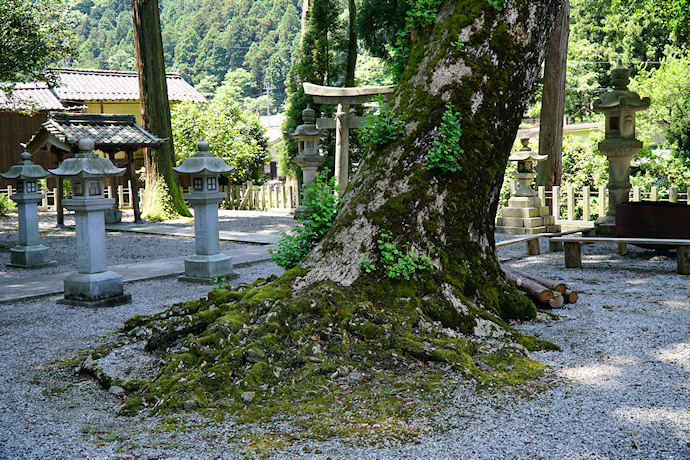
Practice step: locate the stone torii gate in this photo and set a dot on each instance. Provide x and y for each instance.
(343, 98)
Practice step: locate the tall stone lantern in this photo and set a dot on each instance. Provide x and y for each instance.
(93, 285)
(619, 145)
(308, 158)
(524, 214)
(28, 253)
(208, 265)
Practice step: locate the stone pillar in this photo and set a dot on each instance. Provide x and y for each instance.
(93, 285)
(208, 265)
(619, 145)
(29, 253)
(342, 147)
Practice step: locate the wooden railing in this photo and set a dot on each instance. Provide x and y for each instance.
(584, 206)
(248, 196)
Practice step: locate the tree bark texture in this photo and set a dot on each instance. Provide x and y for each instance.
(351, 44)
(163, 196)
(489, 81)
(553, 102)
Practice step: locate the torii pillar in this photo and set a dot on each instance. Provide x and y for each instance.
(343, 121)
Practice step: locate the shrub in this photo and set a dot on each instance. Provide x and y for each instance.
(322, 206)
(6, 205)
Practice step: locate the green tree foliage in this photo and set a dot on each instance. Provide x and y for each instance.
(232, 133)
(202, 39)
(33, 35)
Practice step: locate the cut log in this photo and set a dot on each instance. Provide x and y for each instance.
(535, 290)
(570, 296)
(557, 301)
(551, 284)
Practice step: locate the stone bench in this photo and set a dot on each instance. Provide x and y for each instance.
(573, 257)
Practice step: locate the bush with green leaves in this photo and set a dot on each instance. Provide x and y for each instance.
(322, 206)
(233, 134)
(383, 126)
(447, 148)
(6, 205)
(398, 264)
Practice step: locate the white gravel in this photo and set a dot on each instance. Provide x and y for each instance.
(619, 389)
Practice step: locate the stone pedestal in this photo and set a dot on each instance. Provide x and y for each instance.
(208, 265)
(93, 285)
(525, 215)
(29, 253)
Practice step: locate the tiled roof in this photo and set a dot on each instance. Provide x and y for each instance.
(110, 132)
(30, 96)
(110, 85)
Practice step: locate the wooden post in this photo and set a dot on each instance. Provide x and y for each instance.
(585, 203)
(602, 200)
(654, 194)
(636, 193)
(570, 194)
(61, 192)
(622, 248)
(55, 193)
(572, 255)
(673, 195)
(121, 196)
(541, 193)
(683, 258)
(133, 188)
(556, 202)
(533, 247)
(687, 196)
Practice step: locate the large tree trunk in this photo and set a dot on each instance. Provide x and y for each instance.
(162, 197)
(290, 339)
(351, 44)
(553, 102)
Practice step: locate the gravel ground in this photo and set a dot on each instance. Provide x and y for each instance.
(129, 247)
(618, 390)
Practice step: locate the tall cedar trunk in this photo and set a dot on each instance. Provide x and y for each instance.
(163, 196)
(488, 81)
(553, 102)
(351, 44)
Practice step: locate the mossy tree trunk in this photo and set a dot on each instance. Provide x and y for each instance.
(484, 62)
(288, 341)
(163, 196)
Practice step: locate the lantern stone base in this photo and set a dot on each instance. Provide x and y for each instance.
(207, 269)
(605, 226)
(94, 290)
(112, 216)
(524, 215)
(34, 256)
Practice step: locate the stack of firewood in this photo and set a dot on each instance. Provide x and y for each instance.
(543, 291)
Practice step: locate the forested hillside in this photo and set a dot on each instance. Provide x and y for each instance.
(202, 39)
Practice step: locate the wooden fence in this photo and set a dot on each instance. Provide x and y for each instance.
(582, 207)
(277, 197)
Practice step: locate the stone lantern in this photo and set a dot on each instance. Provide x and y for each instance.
(208, 265)
(619, 145)
(93, 285)
(28, 253)
(308, 158)
(524, 214)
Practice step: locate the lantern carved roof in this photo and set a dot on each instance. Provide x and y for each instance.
(87, 164)
(619, 98)
(203, 162)
(25, 169)
(308, 127)
(526, 153)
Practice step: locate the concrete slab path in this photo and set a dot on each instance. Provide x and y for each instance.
(27, 288)
(188, 231)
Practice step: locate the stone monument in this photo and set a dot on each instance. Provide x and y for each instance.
(619, 145)
(29, 253)
(524, 214)
(308, 158)
(93, 285)
(208, 265)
